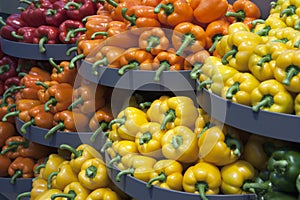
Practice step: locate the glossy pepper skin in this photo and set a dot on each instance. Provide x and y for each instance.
(73, 191)
(194, 62)
(45, 35)
(221, 150)
(48, 194)
(103, 194)
(8, 66)
(188, 37)
(7, 130)
(79, 9)
(93, 174)
(272, 96)
(53, 161)
(57, 14)
(21, 167)
(128, 122)
(65, 31)
(180, 143)
(202, 123)
(202, 178)
(5, 163)
(13, 145)
(167, 174)
(235, 175)
(39, 186)
(62, 73)
(239, 87)
(24, 34)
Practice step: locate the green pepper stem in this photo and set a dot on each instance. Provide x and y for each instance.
(264, 59)
(17, 174)
(8, 149)
(113, 3)
(42, 41)
(75, 152)
(257, 21)
(91, 171)
(54, 129)
(170, 116)
(164, 65)
(273, 4)
(105, 134)
(75, 59)
(99, 33)
(78, 101)
(201, 187)
(187, 40)
(116, 159)
(70, 50)
(22, 195)
(131, 65)
(205, 127)
(145, 105)
(102, 62)
(120, 121)
(264, 31)
(102, 125)
(232, 90)
(297, 44)
(290, 10)
(196, 71)
(72, 3)
(20, 8)
(161, 178)
(153, 41)
(22, 74)
(38, 168)
(261, 186)
(40, 83)
(124, 172)
(2, 22)
(25, 1)
(234, 145)
(280, 164)
(202, 84)
(168, 8)
(132, 19)
(25, 125)
(4, 68)
(11, 106)
(232, 53)
(267, 101)
(56, 66)
(25, 144)
(177, 141)
(15, 35)
(70, 196)
(297, 25)
(49, 179)
(145, 138)
(216, 38)
(106, 145)
(51, 101)
(291, 71)
(10, 114)
(51, 12)
(239, 16)
(71, 33)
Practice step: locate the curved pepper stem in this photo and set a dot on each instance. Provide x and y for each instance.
(78, 101)
(42, 42)
(232, 90)
(145, 105)
(264, 31)
(51, 101)
(71, 149)
(202, 84)
(267, 101)
(91, 171)
(113, 3)
(102, 62)
(106, 145)
(23, 195)
(132, 19)
(70, 50)
(75, 5)
(11, 148)
(40, 83)
(216, 38)
(201, 187)
(280, 165)
(258, 21)
(17, 174)
(51, 12)
(116, 159)
(131, 65)
(153, 41)
(234, 144)
(264, 59)
(177, 141)
(239, 16)
(145, 138)
(54, 129)
(196, 71)
(161, 178)
(15, 143)
(10, 114)
(232, 53)
(75, 59)
(169, 117)
(99, 33)
(56, 66)
(25, 1)
(261, 186)
(124, 172)
(15, 35)
(4, 68)
(38, 168)
(2, 22)
(70, 196)
(164, 65)
(188, 39)
(120, 121)
(49, 179)
(291, 71)
(25, 125)
(103, 125)
(205, 127)
(71, 33)
(290, 10)
(168, 8)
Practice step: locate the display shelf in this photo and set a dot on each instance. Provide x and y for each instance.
(138, 190)
(270, 124)
(31, 51)
(138, 79)
(36, 134)
(20, 185)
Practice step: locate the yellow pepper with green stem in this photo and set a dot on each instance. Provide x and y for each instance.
(47, 195)
(73, 191)
(103, 194)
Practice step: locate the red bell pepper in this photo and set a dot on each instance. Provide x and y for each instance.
(12, 81)
(66, 29)
(57, 14)
(15, 21)
(79, 9)
(8, 67)
(45, 34)
(6, 31)
(1, 87)
(24, 34)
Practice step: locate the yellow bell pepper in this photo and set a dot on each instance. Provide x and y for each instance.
(62, 177)
(202, 178)
(180, 143)
(285, 35)
(138, 166)
(73, 191)
(103, 194)
(122, 148)
(239, 87)
(235, 175)
(287, 70)
(263, 60)
(289, 12)
(79, 155)
(297, 105)
(167, 174)
(93, 174)
(39, 185)
(272, 96)
(202, 122)
(236, 27)
(51, 165)
(47, 195)
(154, 113)
(263, 27)
(112, 136)
(128, 122)
(148, 139)
(217, 148)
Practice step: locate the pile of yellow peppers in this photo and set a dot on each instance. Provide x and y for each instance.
(173, 144)
(259, 67)
(75, 174)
